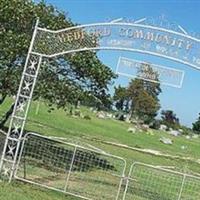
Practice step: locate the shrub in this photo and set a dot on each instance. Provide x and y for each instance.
(77, 113)
(155, 124)
(87, 117)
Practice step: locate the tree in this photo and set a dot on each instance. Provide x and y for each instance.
(144, 94)
(169, 118)
(196, 125)
(145, 107)
(152, 86)
(62, 80)
(121, 98)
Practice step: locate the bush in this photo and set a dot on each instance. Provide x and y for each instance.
(186, 130)
(196, 126)
(174, 126)
(87, 117)
(155, 124)
(77, 113)
(120, 116)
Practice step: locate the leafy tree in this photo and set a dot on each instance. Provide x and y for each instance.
(144, 94)
(196, 125)
(152, 87)
(145, 107)
(121, 98)
(169, 118)
(63, 80)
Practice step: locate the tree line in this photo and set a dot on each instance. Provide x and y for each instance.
(140, 99)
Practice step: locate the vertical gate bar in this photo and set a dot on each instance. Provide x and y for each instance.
(122, 179)
(70, 169)
(127, 181)
(20, 155)
(182, 185)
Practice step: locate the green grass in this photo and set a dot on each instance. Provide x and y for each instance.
(58, 123)
(21, 191)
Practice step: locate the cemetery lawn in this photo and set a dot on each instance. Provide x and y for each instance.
(21, 191)
(60, 124)
(97, 132)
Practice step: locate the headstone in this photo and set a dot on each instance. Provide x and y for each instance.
(150, 132)
(174, 133)
(109, 115)
(180, 130)
(166, 140)
(195, 136)
(144, 127)
(188, 137)
(132, 130)
(163, 127)
(128, 118)
(101, 115)
(78, 104)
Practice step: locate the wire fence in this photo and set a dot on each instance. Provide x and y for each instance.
(70, 168)
(95, 175)
(147, 182)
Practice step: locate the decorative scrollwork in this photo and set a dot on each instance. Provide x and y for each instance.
(16, 128)
(6, 171)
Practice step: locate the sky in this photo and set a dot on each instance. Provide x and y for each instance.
(185, 101)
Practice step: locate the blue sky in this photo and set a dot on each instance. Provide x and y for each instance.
(185, 101)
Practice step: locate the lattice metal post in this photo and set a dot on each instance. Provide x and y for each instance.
(20, 111)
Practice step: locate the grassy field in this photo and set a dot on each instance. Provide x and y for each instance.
(21, 191)
(58, 123)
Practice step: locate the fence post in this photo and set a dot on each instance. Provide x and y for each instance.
(127, 180)
(182, 185)
(70, 169)
(123, 177)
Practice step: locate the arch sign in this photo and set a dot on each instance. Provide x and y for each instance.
(139, 38)
(139, 69)
(135, 37)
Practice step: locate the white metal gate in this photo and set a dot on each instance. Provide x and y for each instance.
(94, 175)
(70, 168)
(148, 182)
